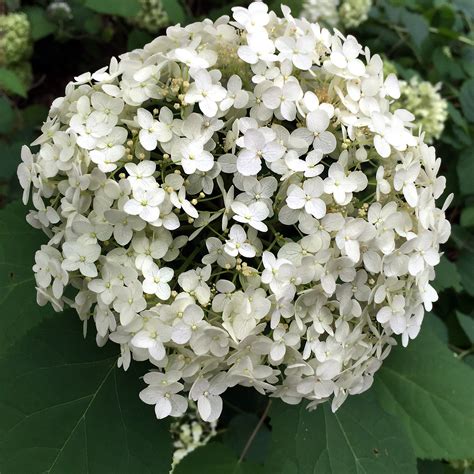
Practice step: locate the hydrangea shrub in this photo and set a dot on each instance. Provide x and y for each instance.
(238, 204)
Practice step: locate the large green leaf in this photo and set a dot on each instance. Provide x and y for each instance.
(358, 438)
(18, 244)
(11, 82)
(215, 458)
(465, 170)
(174, 10)
(466, 97)
(430, 391)
(467, 324)
(7, 115)
(66, 408)
(41, 26)
(127, 8)
(447, 276)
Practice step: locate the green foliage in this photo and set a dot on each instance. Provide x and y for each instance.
(11, 82)
(65, 407)
(359, 437)
(466, 96)
(174, 10)
(112, 7)
(41, 26)
(16, 278)
(430, 392)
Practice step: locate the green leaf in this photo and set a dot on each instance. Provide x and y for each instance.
(447, 276)
(466, 6)
(467, 323)
(18, 244)
(466, 97)
(358, 438)
(7, 115)
(174, 10)
(467, 217)
(430, 392)
(239, 431)
(215, 458)
(11, 83)
(416, 25)
(138, 38)
(465, 264)
(113, 7)
(465, 168)
(41, 26)
(66, 408)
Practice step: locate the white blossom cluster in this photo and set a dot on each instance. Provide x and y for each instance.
(190, 432)
(337, 13)
(236, 204)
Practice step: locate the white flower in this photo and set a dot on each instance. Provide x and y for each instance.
(145, 203)
(204, 91)
(283, 99)
(257, 144)
(81, 255)
(152, 131)
(189, 323)
(163, 392)
(206, 393)
(156, 280)
(253, 214)
(152, 336)
(129, 302)
(341, 185)
(140, 175)
(237, 244)
(316, 132)
(307, 197)
(192, 156)
(236, 96)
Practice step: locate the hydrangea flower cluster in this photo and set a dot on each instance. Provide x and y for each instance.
(15, 42)
(335, 13)
(429, 107)
(190, 432)
(275, 228)
(151, 16)
(16, 46)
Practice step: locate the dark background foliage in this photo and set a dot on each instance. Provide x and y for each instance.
(65, 408)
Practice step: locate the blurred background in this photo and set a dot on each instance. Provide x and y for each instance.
(428, 43)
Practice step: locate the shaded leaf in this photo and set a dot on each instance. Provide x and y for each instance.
(66, 407)
(466, 97)
(465, 264)
(447, 276)
(467, 323)
(41, 26)
(239, 431)
(215, 458)
(18, 244)
(416, 25)
(174, 10)
(113, 7)
(11, 83)
(7, 115)
(430, 392)
(467, 217)
(465, 170)
(358, 438)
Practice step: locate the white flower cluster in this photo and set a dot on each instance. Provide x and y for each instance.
(273, 228)
(336, 13)
(429, 107)
(189, 432)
